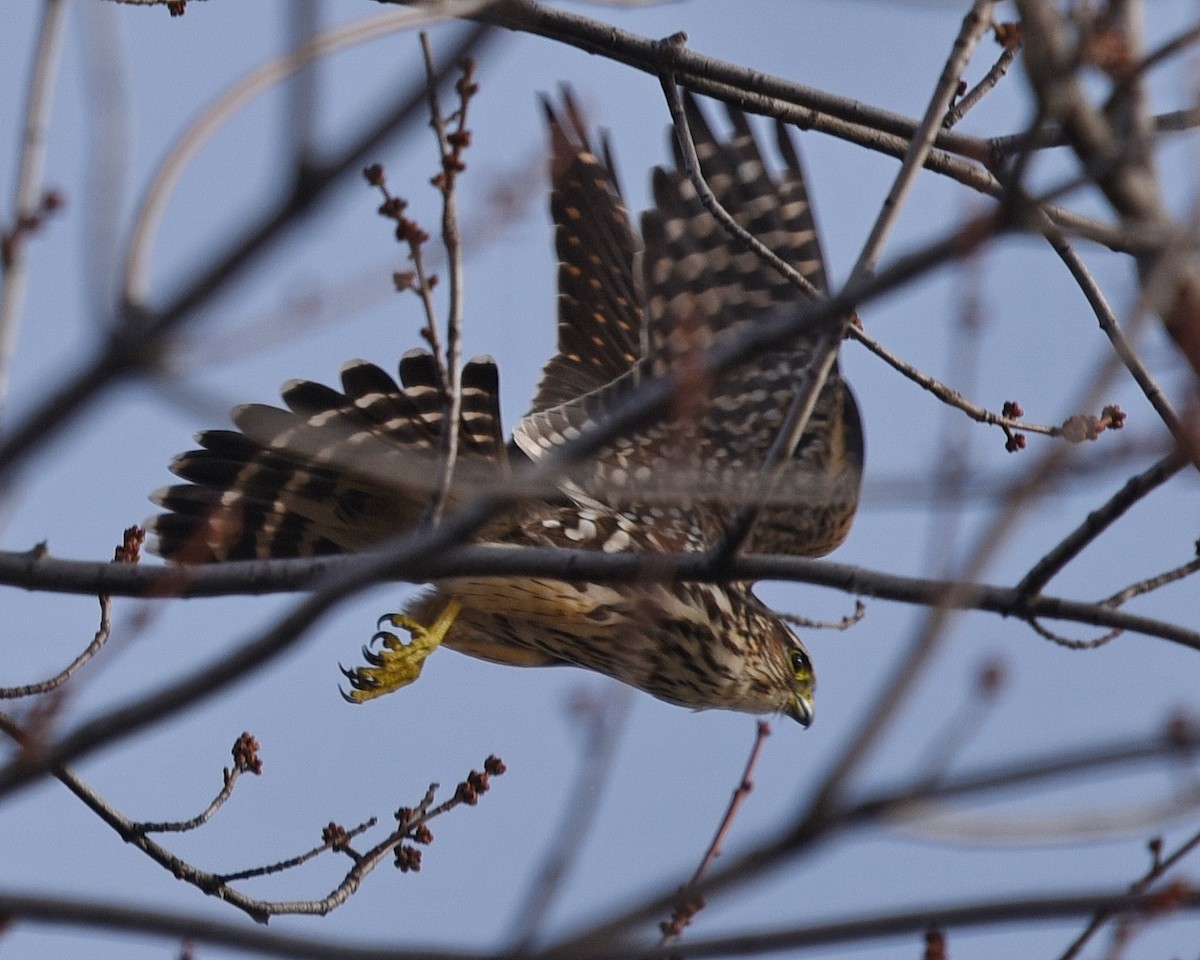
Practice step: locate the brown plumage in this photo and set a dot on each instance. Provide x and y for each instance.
(342, 471)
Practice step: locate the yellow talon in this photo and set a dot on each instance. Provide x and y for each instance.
(398, 663)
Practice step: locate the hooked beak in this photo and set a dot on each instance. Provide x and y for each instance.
(801, 710)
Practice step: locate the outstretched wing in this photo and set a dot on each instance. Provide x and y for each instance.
(701, 285)
(599, 309)
(700, 282)
(336, 471)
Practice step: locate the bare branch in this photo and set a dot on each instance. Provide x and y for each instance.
(29, 203)
(603, 718)
(450, 150)
(443, 561)
(1157, 871)
(805, 834)
(689, 902)
(245, 753)
(1099, 520)
(103, 632)
(975, 22)
(1008, 35)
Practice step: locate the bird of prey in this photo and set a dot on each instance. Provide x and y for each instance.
(345, 470)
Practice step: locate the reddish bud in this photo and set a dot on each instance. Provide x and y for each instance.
(1008, 35)
(1179, 729)
(935, 944)
(335, 836)
(465, 793)
(992, 677)
(408, 858)
(245, 754)
(494, 766)
(130, 550)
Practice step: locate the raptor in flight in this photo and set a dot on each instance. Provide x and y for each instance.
(344, 470)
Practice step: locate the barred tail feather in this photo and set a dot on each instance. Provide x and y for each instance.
(334, 472)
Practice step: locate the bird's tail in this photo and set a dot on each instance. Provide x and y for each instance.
(336, 471)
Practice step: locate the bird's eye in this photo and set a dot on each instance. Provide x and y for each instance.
(801, 665)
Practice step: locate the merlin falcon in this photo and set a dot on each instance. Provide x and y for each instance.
(345, 470)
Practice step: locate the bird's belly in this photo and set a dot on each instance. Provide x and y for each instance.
(652, 636)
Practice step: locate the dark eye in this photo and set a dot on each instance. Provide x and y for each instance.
(801, 665)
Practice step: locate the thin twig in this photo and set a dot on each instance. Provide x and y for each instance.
(671, 48)
(689, 903)
(1099, 520)
(450, 162)
(974, 24)
(28, 200)
(1150, 584)
(947, 394)
(418, 280)
(845, 623)
(246, 760)
(602, 718)
(973, 96)
(1049, 136)
(1111, 325)
(333, 843)
(1158, 869)
(1071, 643)
(103, 631)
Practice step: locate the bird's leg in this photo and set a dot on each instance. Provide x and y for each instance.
(397, 664)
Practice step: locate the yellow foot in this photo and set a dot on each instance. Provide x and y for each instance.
(397, 664)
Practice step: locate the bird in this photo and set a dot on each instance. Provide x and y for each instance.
(343, 470)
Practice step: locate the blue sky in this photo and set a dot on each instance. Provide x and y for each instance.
(674, 770)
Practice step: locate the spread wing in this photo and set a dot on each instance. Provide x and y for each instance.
(701, 285)
(345, 470)
(599, 308)
(700, 282)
